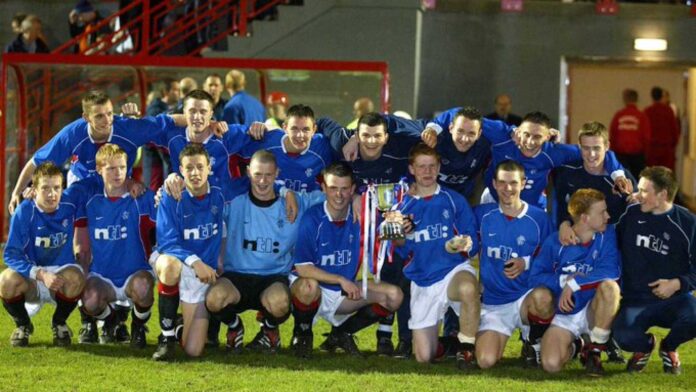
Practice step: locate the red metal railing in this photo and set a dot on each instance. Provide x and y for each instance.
(150, 35)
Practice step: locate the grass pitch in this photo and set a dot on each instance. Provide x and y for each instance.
(42, 367)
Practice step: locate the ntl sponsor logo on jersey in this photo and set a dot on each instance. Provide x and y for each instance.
(653, 243)
(339, 257)
(202, 232)
(431, 233)
(52, 241)
(499, 252)
(111, 233)
(262, 244)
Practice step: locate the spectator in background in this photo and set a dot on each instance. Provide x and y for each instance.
(213, 86)
(186, 85)
(28, 40)
(664, 132)
(168, 99)
(84, 19)
(629, 132)
(277, 105)
(17, 23)
(242, 108)
(155, 161)
(361, 106)
(503, 107)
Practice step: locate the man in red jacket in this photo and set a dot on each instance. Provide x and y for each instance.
(630, 133)
(664, 132)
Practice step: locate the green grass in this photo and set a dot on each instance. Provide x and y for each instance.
(42, 367)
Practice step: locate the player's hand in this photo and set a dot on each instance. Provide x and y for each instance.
(14, 202)
(218, 128)
(566, 303)
(203, 272)
(566, 235)
(52, 281)
(357, 208)
(350, 149)
(135, 188)
(665, 288)
(174, 186)
(351, 289)
(28, 193)
(429, 137)
(459, 243)
(130, 109)
(257, 130)
(271, 125)
(514, 267)
(623, 186)
(291, 207)
(632, 198)
(554, 135)
(408, 224)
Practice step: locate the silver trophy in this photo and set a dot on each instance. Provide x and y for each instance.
(392, 227)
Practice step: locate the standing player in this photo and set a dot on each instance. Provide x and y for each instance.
(189, 236)
(257, 260)
(584, 279)
(511, 233)
(326, 260)
(656, 239)
(120, 234)
(39, 257)
(438, 248)
(301, 154)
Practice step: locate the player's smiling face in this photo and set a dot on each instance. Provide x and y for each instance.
(509, 185)
(425, 169)
(114, 171)
(339, 192)
(593, 150)
(100, 119)
(372, 140)
(597, 216)
(262, 176)
(648, 198)
(465, 132)
(195, 170)
(300, 131)
(198, 114)
(48, 192)
(532, 137)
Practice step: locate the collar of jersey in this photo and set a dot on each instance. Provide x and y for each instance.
(437, 191)
(203, 142)
(89, 134)
(123, 196)
(191, 194)
(42, 211)
(525, 208)
(282, 145)
(328, 215)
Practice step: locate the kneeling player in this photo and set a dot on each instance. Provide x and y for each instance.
(40, 261)
(512, 232)
(327, 261)
(189, 236)
(583, 278)
(119, 229)
(440, 273)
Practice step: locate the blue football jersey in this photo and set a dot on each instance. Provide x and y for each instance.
(118, 231)
(503, 238)
(74, 143)
(191, 229)
(329, 245)
(591, 263)
(39, 239)
(298, 172)
(437, 219)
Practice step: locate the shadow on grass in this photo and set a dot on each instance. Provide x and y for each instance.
(507, 368)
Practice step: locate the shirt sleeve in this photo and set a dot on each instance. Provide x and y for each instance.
(542, 271)
(443, 120)
(495, 131)
(15, 255)
(466, 225)
(59, 148)
(607, 267)
(337, 135)
(306, 245)
(236, 138)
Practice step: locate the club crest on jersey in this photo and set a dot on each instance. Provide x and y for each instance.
(445, 161)
(214, 210)
(124, 215)
(521, 240)
(473, 163)
(666, 236)
(280, 223)
(309, 172)
(595, 254)
(445, 214)
(350, 239)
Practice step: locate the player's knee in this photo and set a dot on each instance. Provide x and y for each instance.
(10, 283)
(609, 291)
(467, 291)
(422, 355)
(74, 282)
(551, 364)
(277, 302)
(194, 350)
(168, 270)
(142, 290)
(216, 299)
(394, 298)
(542, 300)
(306, 290)
(91, 300)
(486, 360)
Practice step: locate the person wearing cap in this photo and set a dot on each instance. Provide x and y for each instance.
(84, 18)
(277, 103)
